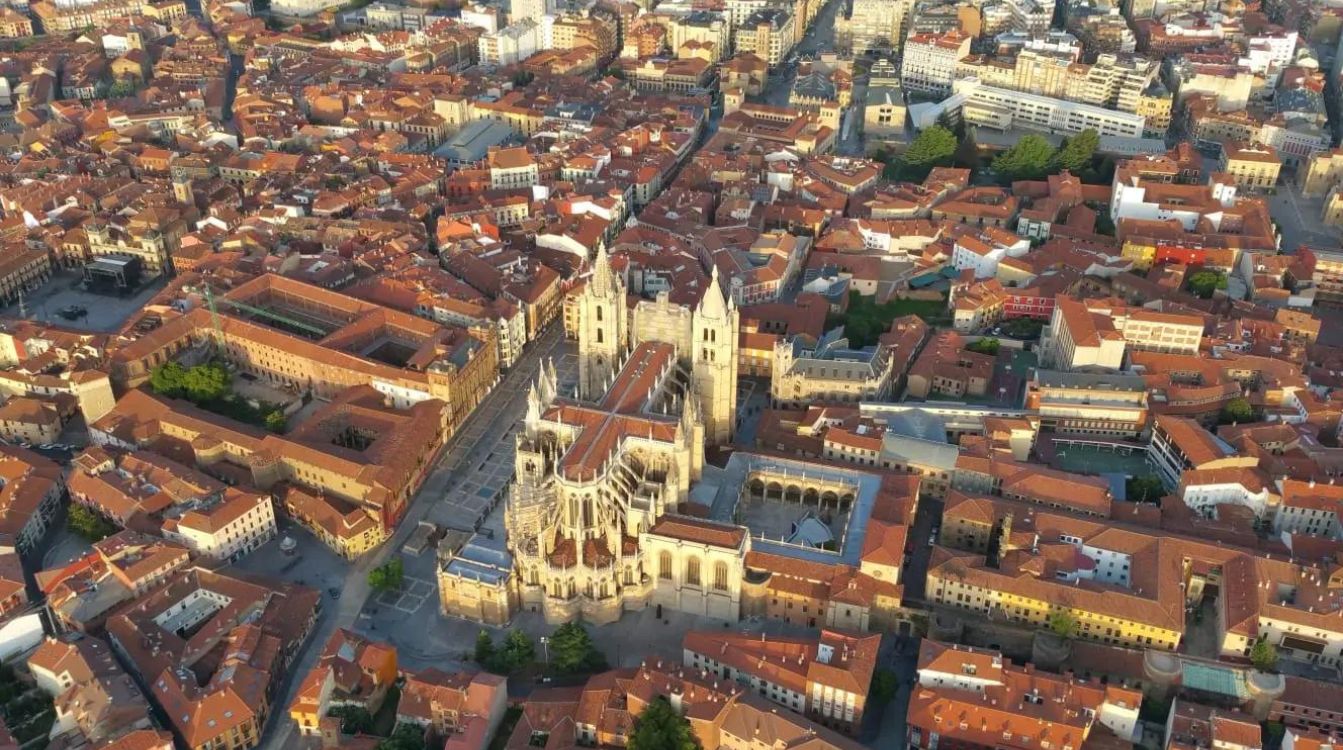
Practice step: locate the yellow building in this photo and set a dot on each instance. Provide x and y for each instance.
(352, 671)
(1324, 171)
(1251, 166)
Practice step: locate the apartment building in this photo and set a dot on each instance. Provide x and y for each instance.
(256, 627)
(973, 698)
(929, 62)
(1087, 403)
(1178, 444)
(875, 25)
(510, 45)
(511, 168)
(95, 701)
(352, 671)
(1005, 109)
(701, 27)
(1090, 333)
(767, 33)
(120, 568)
(222, 527)
(825, 677)
(1310, 507)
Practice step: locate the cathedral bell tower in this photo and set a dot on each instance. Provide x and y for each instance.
(603, 328)
(713, 354)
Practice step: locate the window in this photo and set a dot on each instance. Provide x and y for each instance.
(692, 571)
(720, 576)
(665, 566)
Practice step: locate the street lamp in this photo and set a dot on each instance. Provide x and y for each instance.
(545, 650)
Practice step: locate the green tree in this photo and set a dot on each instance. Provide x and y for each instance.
(615, 72)
(485, 652)
(167, 379)
(1264, 655)
(571, 650)
(967, 153)
(1063, 625)
(1237, 410)
(1144, 489)
(1078, 154)
(1205, 283)
(276, 421)
(406, 736)
(208, 382)
(122, 88)
(883, 687)
(986, 345)
(89, 523)
(934, 147)
(1027, 159)
(518, 651)
(522, 78)
(353, 719)
(388, 576)
(659, 727)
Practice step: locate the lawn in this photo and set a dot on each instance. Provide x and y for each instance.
(865, 320)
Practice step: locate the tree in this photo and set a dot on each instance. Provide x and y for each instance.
(522, 78)
(1063, 625)
(353, 719)
(406, 736)
(1144, 489)
(986, 345)
(1237, 410)
(485, 652)
(615, 72)
(1027, 159)
(659, 727)
(1264, 655)
(122, 88)
(207, 382)
(883, 687)
(89, 523)
(167, 378)
(388, 576)
(1205, 283)
(1078, 154)
(967, 153)
(518, 651)
(276, 421)
(934, 147)
(571, 650)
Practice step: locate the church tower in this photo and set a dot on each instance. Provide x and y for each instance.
(714, 361)
(603, 335)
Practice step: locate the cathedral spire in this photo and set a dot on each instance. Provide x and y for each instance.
(601, 271)
(712, 304)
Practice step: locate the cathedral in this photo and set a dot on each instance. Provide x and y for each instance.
(597, 469)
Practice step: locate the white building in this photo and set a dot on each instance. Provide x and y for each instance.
(983, 253)
(481, 16)
(224, 527)
(1004, 109)
(511, 44)
(929, 64)
(299, 7)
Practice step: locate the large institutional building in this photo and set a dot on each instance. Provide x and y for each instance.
(592, 522)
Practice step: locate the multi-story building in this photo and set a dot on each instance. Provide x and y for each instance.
(1253, 167)
(972, 699)
(703, 28)
(120, 568)
(767, 33)
(1005, 109)
(808, 370)
(1308, 507)
(875, 25)
(510, 45)
(254, 627)
(1327, 276)
(1323, 172)
(14, 25)
(1092, 404)
(1089, 333)
(929, 62)
(352, 672)
(95, 701)
(1178, 444)
(824, 677)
